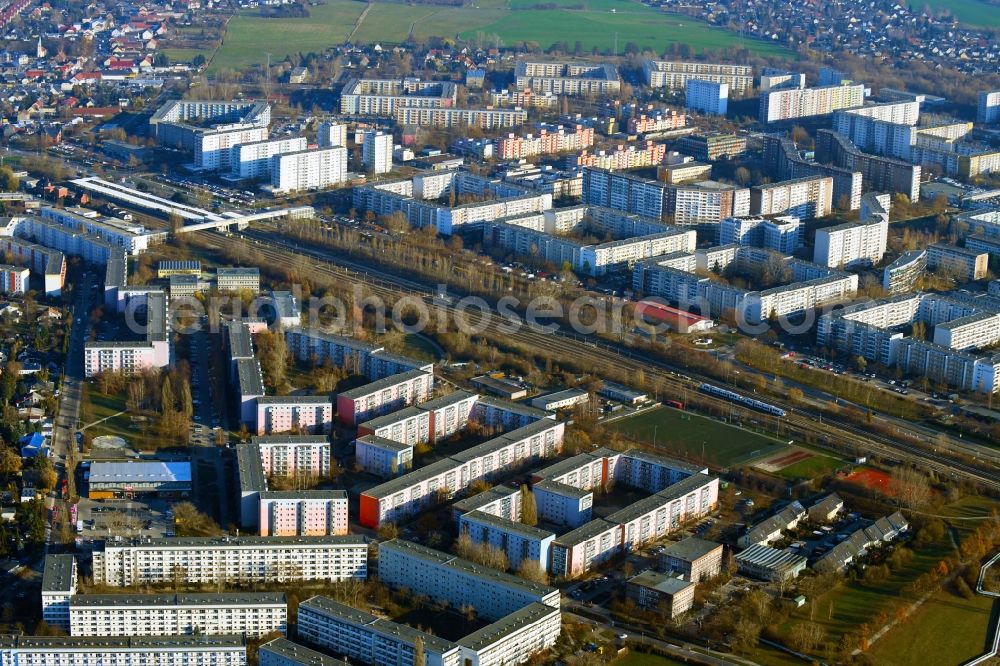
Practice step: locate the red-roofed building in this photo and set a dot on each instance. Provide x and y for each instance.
(679, 320)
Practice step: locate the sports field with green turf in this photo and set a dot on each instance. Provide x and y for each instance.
(679, 432)
(593, 23)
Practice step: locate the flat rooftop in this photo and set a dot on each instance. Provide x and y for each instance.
(691, 549)
(176, 600)
(299, 654)
(140, 472)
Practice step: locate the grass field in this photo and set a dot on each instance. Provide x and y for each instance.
(845, 609)
(683, 432)
(184, 55)
(947, 629)
(120, 425)
(249, 37)
(969, 12)
(817, 465)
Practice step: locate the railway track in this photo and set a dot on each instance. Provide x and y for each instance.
(834, 434)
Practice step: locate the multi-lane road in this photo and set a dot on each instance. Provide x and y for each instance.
(836, 434)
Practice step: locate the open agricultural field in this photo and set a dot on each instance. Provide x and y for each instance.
(593, 23)
(679, 432)
(970, 12)
(249, 38)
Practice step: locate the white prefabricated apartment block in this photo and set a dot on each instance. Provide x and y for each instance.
(250, 614)
(233, 559)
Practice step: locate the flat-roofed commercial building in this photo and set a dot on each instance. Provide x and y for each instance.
(652, 589)
(567, 78)
(764, 562)
(283, 652)
(248, 614)
(116, 479)
(693, 558)
(452, 580)
(238, 278)
(367, 639)
(230, 559)
(303, 513)
(131, 651)
(521, 543)
(675, 75)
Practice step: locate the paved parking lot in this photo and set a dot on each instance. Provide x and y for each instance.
(125, 518)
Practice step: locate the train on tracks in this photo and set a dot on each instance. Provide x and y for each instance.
(733, 396)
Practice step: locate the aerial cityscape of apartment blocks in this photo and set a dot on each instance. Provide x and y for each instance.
(424, 487)
(676, 75)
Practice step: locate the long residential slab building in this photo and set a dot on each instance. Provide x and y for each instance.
(248, 614)
(230, 559)
(126, 651)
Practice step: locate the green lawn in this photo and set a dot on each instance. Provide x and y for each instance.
(817, 465)
(120, 425)
(969, 512)
(684, 432)
(184, 55)
(969, 12)
(250, 37)
(856, 603)
(947, 629)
